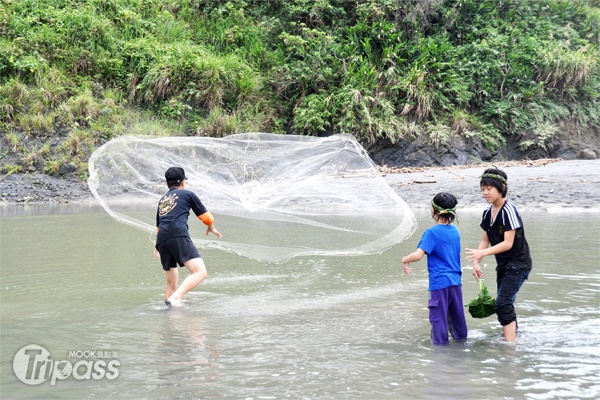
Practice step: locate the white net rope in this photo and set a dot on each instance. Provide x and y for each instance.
(274, 197)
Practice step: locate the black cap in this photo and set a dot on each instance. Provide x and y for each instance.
(174, 176)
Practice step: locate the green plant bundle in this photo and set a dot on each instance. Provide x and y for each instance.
(483, 305)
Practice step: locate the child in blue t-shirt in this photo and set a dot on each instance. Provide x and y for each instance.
(441, 243)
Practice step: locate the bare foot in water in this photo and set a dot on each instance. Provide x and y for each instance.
(174, 302)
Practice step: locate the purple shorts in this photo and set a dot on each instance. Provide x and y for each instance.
(447, 314)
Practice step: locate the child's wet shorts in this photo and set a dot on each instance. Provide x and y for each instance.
(175, 251)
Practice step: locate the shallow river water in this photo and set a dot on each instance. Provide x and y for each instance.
(82, 310)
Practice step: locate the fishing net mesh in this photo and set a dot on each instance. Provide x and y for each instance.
(274, 197)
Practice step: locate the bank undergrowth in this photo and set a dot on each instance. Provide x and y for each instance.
(75, 74)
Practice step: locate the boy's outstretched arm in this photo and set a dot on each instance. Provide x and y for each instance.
(412, 257)
(484, 250)
(483, 244)
(211, 228)
(208, 220)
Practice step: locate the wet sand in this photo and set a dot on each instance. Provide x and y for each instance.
(556, 187)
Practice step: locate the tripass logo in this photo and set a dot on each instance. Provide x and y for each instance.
(34, 365)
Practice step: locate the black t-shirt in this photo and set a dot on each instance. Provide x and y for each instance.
(507, 219)
(173, 212)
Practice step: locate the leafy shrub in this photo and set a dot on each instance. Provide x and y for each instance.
(374, 68)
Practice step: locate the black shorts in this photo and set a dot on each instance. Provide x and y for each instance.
(175, 251)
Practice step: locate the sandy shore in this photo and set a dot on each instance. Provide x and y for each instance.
(556, 186)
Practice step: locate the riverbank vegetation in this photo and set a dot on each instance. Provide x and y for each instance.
(74, 74)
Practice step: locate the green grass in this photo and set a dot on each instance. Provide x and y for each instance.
(80, 73)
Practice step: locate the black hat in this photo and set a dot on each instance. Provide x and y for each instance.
(174, 176)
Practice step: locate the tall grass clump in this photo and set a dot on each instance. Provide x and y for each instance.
(204, 79)
(563, 69)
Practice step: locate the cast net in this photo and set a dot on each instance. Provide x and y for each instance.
(274, 197)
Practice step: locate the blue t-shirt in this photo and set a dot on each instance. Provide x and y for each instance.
(442, 245)
(173, 212)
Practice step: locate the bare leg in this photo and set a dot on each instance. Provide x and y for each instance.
(197, 275)
(172, 276)
(510, 331)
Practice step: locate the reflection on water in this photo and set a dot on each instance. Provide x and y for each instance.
(354, 327)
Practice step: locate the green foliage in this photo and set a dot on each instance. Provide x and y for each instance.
(174, 109)
(438, 133)
(314, 13)
(36, 155)
(464, 122)
(37, 122)
(84, 72)
(219, 123)
(309, 66)
(9, 169)
(229, 28)
(83, 108)
(483, 305)
(203, 79)
(313, 115)
(541, 136)
(13, 141)
(564, 69)
(51, 167)
(14, 96)
(367, 115)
